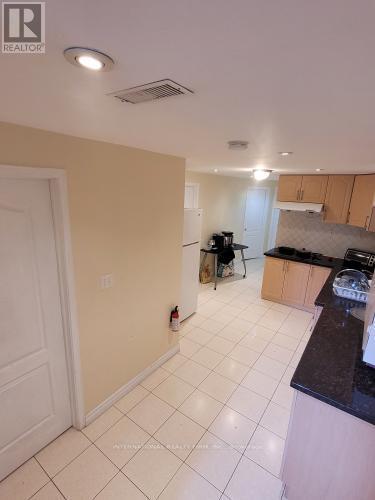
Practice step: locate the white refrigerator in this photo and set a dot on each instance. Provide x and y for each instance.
(190, 262)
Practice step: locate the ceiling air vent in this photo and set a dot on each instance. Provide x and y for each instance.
(151, 92)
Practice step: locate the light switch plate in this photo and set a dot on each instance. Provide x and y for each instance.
(106, 281)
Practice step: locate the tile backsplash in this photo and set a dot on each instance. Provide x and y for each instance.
(301, 229)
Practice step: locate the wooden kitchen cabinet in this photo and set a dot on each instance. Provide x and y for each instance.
(302, 188)
(313, 188)
(295, 283)
(289, 187)
(317, 278)
(362, 201)
(273, 278)
(337, 200)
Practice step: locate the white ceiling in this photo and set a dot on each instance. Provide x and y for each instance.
(291, 75)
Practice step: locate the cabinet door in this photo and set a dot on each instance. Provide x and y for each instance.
(289, 187)
(317, 278)
(295, 283)
(273, 278)
(362, 200)
(313, 188)
(336, 204)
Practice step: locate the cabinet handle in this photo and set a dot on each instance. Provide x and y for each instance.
(302, 191)
(298, 193)
(367, 218)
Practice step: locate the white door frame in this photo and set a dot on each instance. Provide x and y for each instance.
(60, 211)
(274, 224)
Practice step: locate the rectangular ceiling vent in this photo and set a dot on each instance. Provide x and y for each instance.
(151, 92)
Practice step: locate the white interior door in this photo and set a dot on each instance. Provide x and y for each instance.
(255, 221)
(34, 391)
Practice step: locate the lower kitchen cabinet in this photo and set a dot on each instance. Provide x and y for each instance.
(273, 278)
(317, 278)
(293, 283)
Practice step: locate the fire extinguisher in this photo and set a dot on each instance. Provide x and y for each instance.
(175, 320)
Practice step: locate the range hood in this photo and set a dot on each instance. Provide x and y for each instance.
(299, 207)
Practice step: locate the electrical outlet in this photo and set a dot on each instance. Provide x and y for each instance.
(106, 281)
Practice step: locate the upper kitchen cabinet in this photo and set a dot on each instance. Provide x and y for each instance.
(362, 201)
(313, 188)
(303, 188)
(289, 187)
(337, 200)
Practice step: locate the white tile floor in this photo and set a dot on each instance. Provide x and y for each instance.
(210, 424)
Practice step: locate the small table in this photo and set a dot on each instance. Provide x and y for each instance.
(216, 251)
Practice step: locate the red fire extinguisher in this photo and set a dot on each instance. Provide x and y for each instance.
(175, 320)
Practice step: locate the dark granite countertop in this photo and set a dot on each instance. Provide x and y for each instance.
(322, 261)
(331, 368)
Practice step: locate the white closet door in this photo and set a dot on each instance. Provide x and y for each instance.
(255, 221)
(34, 392)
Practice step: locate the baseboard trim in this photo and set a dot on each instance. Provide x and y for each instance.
(107, 403)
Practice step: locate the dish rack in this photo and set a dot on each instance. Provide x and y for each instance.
(357, 291)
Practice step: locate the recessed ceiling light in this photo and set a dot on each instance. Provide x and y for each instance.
(216, 170)
(260, 174)
(238, 145)
(285, 153)
(318, 169)
(88, 58)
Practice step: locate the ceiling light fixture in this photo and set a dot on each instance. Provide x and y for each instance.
(260, 174)
(285, 153)
(318, 169)
(216, 170)
(88, 58)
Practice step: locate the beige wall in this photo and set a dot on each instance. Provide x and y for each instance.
(223, 200)
(126, 209)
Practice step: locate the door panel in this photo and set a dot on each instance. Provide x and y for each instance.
(12, 402)
(295, 283)
(255, 221)
(336, 204)
(18, 267)
(362, 200)
(289, 187)
(317, 278)
(313, 188)
(273, 278)
(34, 395)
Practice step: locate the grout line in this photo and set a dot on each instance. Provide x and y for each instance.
(119, 472)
